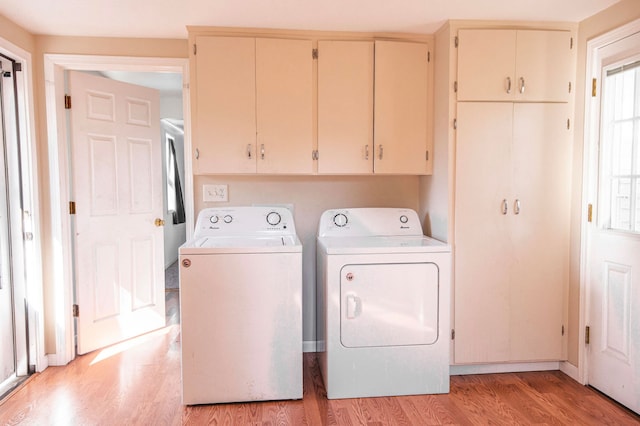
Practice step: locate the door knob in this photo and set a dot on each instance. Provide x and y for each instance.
(159, 222)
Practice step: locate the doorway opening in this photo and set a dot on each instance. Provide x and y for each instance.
(55, 69)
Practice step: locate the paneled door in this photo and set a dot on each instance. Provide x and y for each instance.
(613, 239)
(117, 183)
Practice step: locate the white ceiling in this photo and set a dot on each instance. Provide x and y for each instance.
(168, 19)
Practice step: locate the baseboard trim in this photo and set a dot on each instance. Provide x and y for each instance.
(570, 370)
(461, 370)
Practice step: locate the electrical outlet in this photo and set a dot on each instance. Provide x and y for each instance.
(216, 193)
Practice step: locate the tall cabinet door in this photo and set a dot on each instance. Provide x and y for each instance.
(225, 105)
(345, 107)
(541, 161)
(400, 113)
(284, 73)
(482, 245)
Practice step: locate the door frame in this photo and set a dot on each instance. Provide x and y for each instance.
(62, 284)
(590, 171)
(32, 290)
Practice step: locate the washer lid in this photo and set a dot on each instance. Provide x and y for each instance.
(241, 244)
(365, 245)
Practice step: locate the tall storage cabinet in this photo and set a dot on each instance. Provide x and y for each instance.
(512, 195)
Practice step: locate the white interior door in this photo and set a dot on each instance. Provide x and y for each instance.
(614, 237)
(116, 156)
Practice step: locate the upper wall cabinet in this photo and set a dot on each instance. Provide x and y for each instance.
(253, 105)
(345, 107)
(401, 108)
(514, 65)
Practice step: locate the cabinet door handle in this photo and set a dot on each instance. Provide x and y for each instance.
(508, 84)
(505, 208)
(380, 152)
(262, 151)
(249, 151)
(366, 152)
(516, 206)
(521, 84)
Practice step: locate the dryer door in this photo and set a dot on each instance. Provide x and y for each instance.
(389, 304)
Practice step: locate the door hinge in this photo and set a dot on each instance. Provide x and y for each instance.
(67, 101)
(17, 67)
(428, 56)
(590, 213)
(195, 48)
(453, 334)
(455, 87)
(587, 337)
(314, 53)
(76, 310)
(72, 207)
(594, 84)
(455, 124)
(315, 155)
(456, 41)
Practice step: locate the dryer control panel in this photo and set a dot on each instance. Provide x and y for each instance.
(369, 222)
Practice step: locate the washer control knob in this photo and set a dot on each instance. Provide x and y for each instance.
(340, 219)
(228, 219)
(214, 218)
(274, 218)
(404, 219)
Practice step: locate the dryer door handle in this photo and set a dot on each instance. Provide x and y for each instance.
(354, 306)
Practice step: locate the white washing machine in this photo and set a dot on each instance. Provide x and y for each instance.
(241, 307)
(383, 304)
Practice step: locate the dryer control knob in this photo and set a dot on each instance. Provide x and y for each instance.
(214, 219)
(340, 219)
(274, 218)
(404, 219)
(228, 219)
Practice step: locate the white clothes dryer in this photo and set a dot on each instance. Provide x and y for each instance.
(241, 307)
(383, 304)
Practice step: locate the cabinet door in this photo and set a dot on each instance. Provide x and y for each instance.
(284, 105)
(400, 107)
(225, 105)
(345, 107)
(541, 161)
(483, 250)
(543, 66)
(486, 65)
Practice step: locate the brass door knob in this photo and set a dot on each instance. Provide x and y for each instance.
(159, 222)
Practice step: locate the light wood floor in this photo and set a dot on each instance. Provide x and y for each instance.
(138, 382)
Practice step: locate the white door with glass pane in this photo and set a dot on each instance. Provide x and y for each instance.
(613, 238)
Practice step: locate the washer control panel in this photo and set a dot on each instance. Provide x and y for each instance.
(365, 222)
(244, 221)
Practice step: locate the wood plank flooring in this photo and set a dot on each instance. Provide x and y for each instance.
(138, 382)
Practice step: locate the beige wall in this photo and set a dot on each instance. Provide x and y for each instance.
(621, 13)
(310, 196)
(16, 35)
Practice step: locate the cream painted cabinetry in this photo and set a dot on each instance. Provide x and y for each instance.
(373, 121)
(345, 107)
(512, 201)
(514, 65)
(400, 108)
(253, 106)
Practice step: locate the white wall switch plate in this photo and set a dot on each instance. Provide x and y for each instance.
(216, 193)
